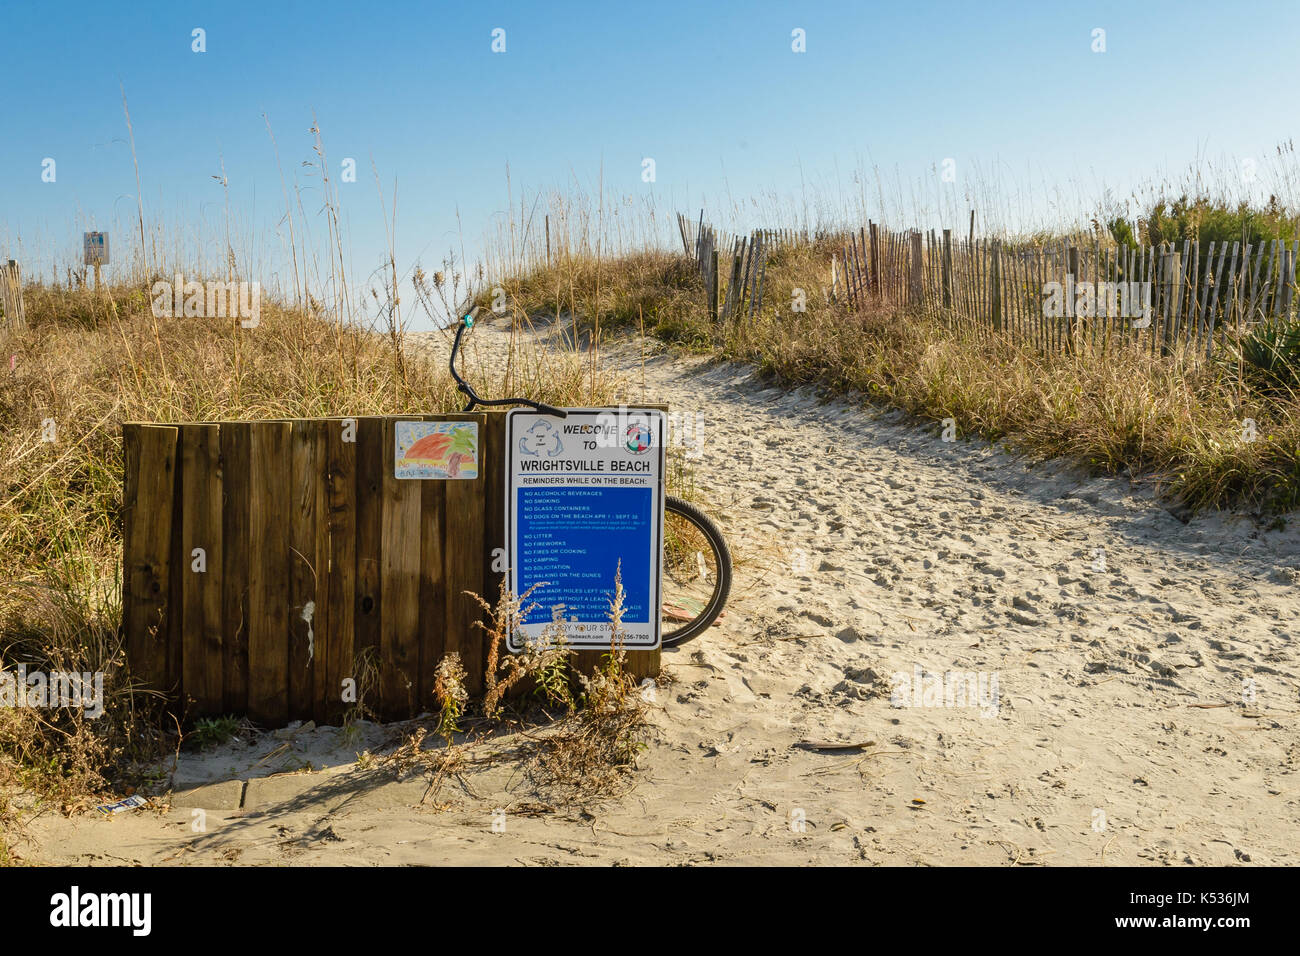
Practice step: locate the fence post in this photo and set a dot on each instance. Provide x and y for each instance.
(947, 269)
(995, 285)
(874, 265)
(148, 490)
(1072, 278)
(1176, 291)
(916, 289)
(714, 285)
(11, 295)
(1288, 280)
(860, 263)
(1209, 263)
(1168, 266)
(732, 281)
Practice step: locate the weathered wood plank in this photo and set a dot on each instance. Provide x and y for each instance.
(1214, 297)
(369, 550)
(433, 585)
(308, 564)
(201, 556)
(492, 468)
(1234, 305)
(11, 295)
(178, 568)
(335, 635)
(463, 566)
(268, 572)
(235, 452)
(399, 626)
(149, 456)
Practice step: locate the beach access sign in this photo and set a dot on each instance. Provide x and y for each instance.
(94, 246)
(585, 495)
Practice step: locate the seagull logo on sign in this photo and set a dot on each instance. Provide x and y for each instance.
(541, 439)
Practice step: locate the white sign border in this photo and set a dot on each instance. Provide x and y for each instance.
(655, 610)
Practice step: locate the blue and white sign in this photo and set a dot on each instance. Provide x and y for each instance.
(95, 248)
(585, 494)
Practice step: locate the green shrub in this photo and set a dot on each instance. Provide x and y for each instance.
(212, 731)
(1269, 355)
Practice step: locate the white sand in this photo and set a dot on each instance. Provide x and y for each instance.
(866, 547)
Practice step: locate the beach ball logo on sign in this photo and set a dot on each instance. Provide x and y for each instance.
(638, 439)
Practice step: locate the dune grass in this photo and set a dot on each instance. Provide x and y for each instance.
(88, 362)
(1207, 438)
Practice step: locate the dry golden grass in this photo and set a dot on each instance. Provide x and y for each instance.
(591, 752)
(588, 753)
(1176, 422)
(1172, 420)
(656, 288)
(89, 362)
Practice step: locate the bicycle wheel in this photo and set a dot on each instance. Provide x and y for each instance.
(696, 572)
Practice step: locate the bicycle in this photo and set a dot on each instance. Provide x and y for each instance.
(696, 561)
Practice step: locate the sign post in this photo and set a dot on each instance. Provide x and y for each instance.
(584, 500)
(95, 246)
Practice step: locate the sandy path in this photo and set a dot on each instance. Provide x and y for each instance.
(1124, 644)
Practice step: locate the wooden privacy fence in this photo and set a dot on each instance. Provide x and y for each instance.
(266, 563)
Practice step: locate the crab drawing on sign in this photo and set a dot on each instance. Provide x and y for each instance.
(437, 450)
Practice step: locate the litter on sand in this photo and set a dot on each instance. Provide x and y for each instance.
(130, 803)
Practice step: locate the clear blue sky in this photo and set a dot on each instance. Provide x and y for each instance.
(711, 91)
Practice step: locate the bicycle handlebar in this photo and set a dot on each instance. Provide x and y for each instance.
(464, 386)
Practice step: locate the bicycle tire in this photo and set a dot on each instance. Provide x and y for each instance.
(721, 553)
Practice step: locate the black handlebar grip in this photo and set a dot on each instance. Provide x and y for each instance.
(551, 410)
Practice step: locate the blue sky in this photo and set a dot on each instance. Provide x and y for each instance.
(712, 92)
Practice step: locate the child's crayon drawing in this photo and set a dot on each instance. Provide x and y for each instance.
(436, 450)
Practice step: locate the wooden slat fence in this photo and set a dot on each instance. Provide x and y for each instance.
(11, 295)
(744, 266)
(1174, 297)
